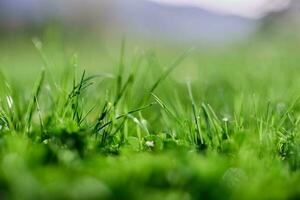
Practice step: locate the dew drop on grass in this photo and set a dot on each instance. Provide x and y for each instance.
(225, 119)
(9, 101)
(150, 143)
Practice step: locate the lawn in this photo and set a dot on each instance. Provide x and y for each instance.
(90, 118)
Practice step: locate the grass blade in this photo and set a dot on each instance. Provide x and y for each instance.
(33, 101)
(198, 128)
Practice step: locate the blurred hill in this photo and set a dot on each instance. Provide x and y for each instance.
(182, 23)
(285, 20)
(25, 14)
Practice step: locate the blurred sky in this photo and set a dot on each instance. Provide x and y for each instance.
(245, 8)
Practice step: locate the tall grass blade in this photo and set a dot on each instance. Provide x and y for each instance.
(33, 101)
(198, 128)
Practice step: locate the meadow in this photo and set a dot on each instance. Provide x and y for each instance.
(87, 118)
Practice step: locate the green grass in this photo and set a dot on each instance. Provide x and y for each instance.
(149, 122)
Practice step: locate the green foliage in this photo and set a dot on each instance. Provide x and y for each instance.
(232, 132)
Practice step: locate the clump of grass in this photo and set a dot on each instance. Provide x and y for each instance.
(137, 135)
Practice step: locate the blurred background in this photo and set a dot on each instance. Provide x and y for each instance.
(201, 21)
(93, 29)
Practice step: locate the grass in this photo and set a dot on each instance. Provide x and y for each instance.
(163, 123)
